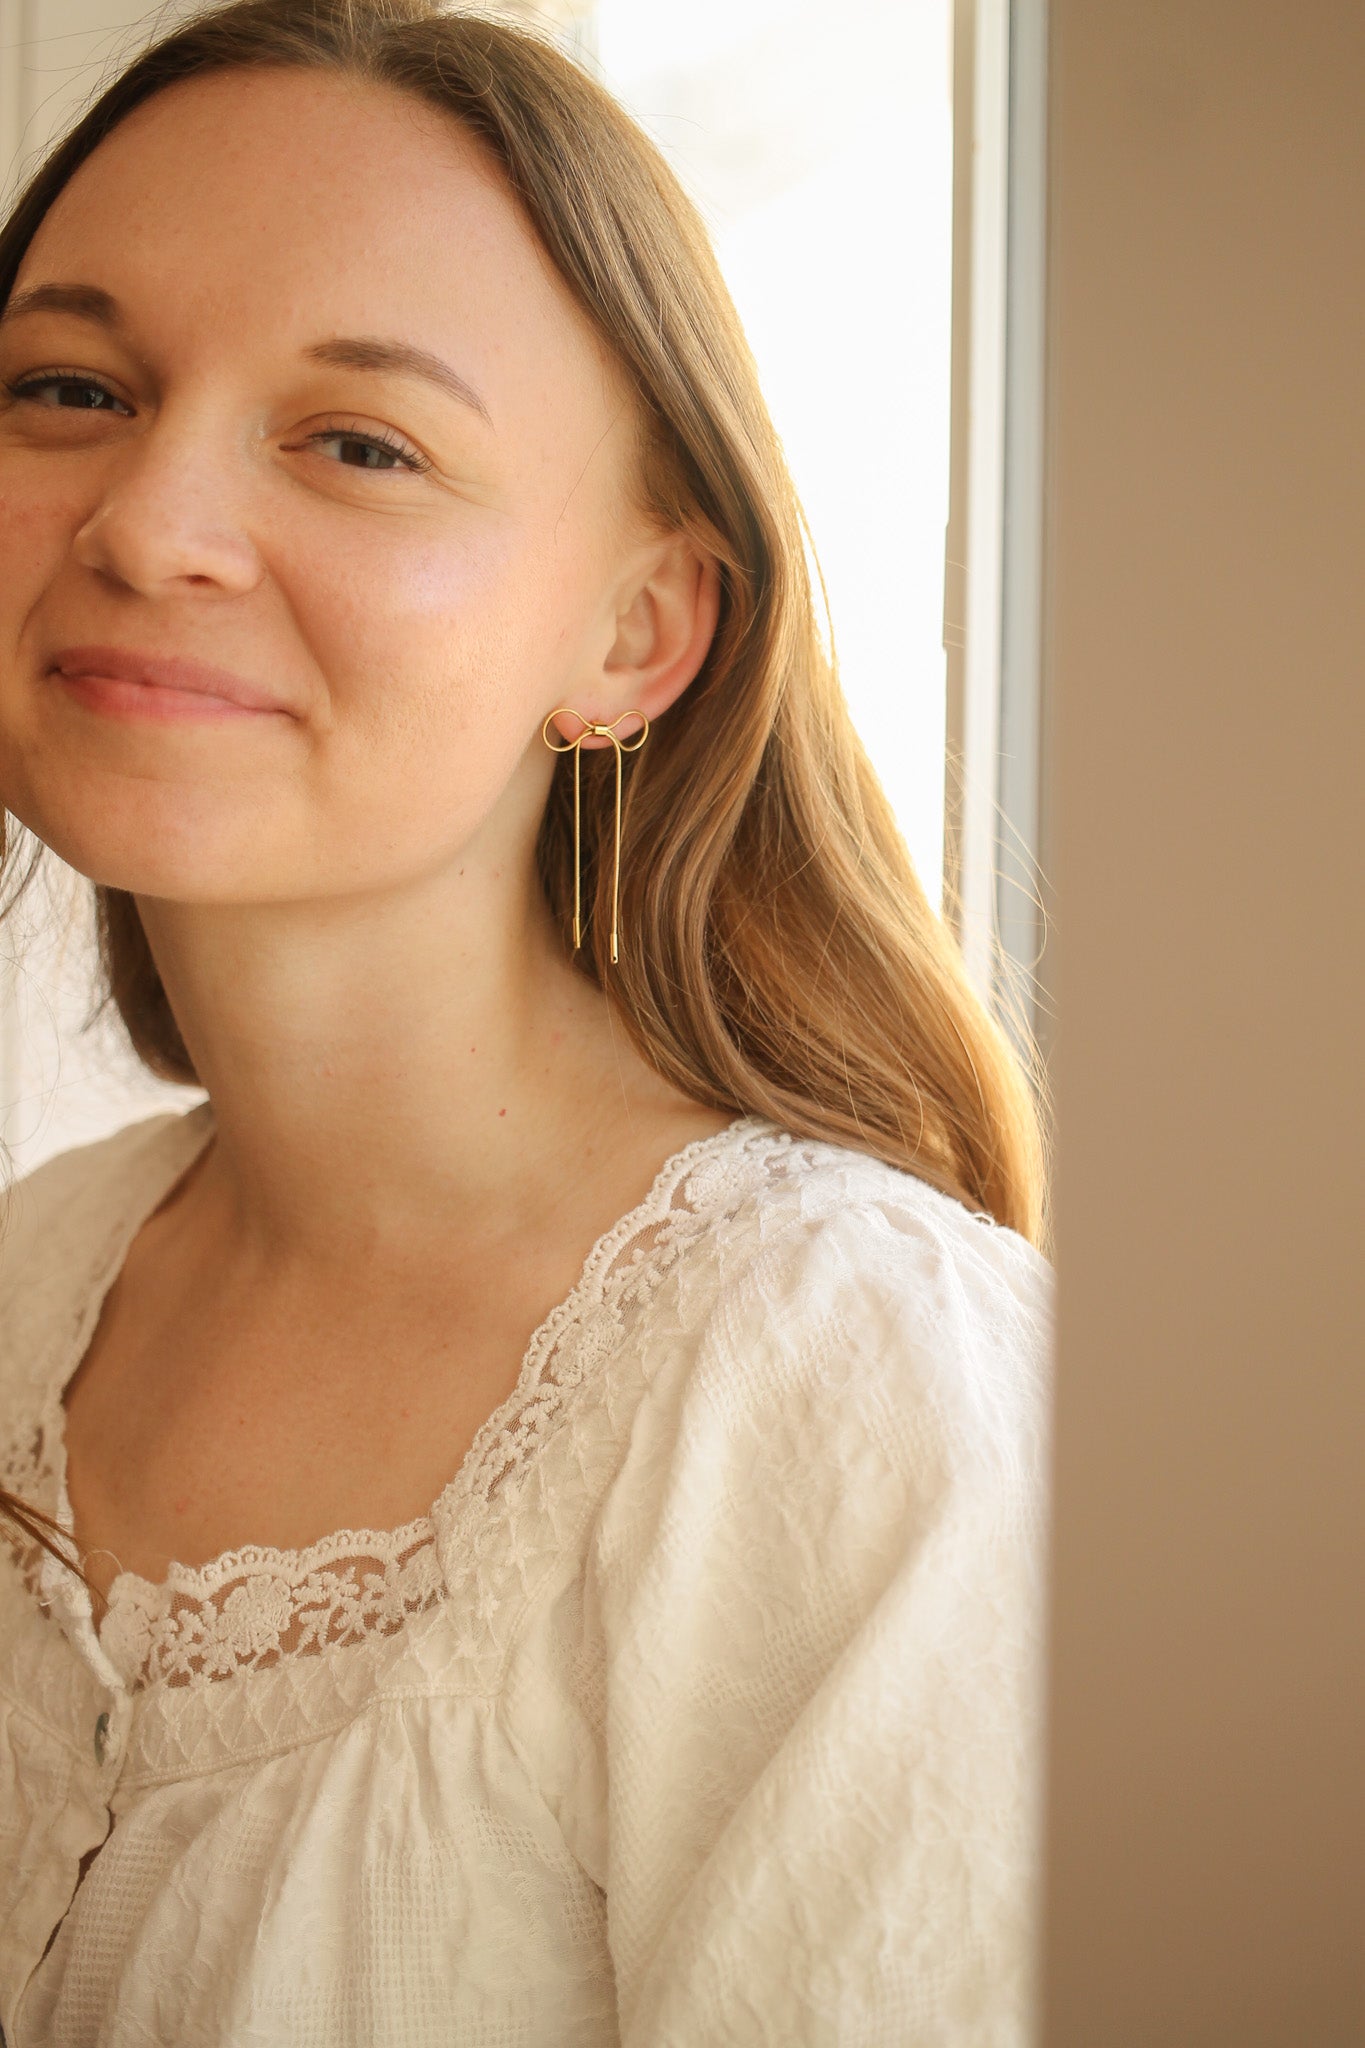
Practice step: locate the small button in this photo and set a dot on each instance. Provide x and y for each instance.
(101, 1737)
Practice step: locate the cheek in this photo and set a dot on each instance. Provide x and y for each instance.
(447, 648)
(440, 662)
(35, 539)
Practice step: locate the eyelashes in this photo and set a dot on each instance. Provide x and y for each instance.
(408, 457)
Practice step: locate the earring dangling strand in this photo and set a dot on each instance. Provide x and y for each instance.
(574, 746)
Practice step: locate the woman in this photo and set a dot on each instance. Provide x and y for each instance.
(553, 1446)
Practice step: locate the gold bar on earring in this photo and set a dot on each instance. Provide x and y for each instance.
(577, 856)
(616, 870)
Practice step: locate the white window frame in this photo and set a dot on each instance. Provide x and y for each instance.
(996, 854)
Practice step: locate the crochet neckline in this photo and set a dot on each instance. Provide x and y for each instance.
(132, 1597)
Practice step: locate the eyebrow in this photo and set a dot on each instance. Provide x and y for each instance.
(343, 352)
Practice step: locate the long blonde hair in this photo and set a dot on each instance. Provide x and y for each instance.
(783, 958)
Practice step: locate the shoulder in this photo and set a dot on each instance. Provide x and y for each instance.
(808, 1193)
(848, 1356)
(92, 1178)
(839, 1270)
(58, 1222)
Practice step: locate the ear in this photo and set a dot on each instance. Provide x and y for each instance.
(663, 622)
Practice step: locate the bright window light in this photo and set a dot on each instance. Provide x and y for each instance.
(817, 141)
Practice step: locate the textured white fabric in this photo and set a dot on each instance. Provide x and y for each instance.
(704, 1707)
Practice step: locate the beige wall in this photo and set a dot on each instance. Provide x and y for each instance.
(1206, 624)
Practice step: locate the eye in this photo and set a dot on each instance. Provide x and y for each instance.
(61, 380)
(386, 444)
(379, 443)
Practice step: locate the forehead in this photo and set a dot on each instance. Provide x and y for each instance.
(282, 205)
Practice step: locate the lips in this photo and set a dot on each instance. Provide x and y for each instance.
(165, 672)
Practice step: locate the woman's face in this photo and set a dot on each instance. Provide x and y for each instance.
(409, 577)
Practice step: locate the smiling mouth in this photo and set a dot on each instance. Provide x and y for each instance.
(125, 682)
(121, 696)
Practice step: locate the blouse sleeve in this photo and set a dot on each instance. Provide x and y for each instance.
(819, 1579)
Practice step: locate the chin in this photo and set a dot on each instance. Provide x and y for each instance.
(153, 841)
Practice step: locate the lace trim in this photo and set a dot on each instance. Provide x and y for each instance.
(262, 1611)
(249, 1609)
(27, 1472)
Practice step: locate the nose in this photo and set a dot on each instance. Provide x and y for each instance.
(168, 516)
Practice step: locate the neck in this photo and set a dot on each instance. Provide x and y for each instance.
(385, 1071)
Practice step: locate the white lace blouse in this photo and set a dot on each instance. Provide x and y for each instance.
(702, 1710)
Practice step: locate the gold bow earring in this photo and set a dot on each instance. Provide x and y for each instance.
(575, 747)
